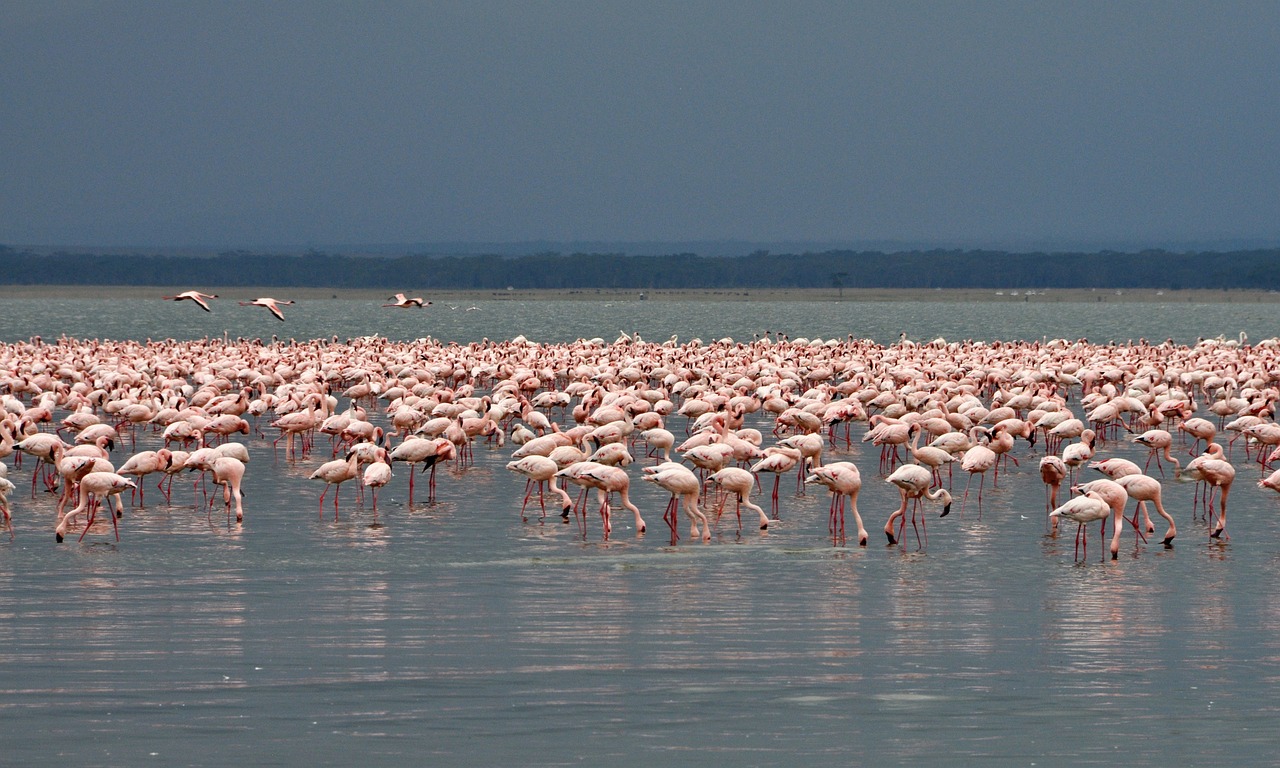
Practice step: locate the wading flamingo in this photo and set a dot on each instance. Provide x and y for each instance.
(843, 479)
(913, 482)
(740, 482)
(684, 487)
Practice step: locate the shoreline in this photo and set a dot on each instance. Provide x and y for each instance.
(853, 295)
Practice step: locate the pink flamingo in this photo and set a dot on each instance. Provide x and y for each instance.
(228, 472)
(1158, 442)
(1143, 489)
(977, 460)
(1083, 510)
(272, 305)
(376, 475)
(101, 486)
(684, 487)
(335, 473)
(843, 479)
(419, 450)
(930, 457)
(1200, 429)
(1271, 481)
(778, 460)
(740, 482)
(404, 302)
(1116, 498)
(540, 470)
(1052, 473)
(200, 299)
(1077, 454)
(913, 482)
(142, 464)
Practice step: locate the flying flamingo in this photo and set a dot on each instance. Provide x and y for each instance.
(201, 299)
(272, 305)
(404, 302)
(843, 479)
(913, 482)
(740, 482)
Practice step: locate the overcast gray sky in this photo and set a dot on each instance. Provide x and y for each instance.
(225, 123)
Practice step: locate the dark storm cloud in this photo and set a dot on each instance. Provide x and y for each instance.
(225, 123)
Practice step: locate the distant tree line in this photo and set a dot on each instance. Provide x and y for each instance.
(1257, 269)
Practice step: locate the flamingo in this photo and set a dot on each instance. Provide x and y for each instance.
(419, 450)
(540, 469)
(843, 479)
(777, 460)
(1143, 489)
(272, 305)
(145, 463)
(200, 299)
(1271, 481)
(740, 482)
(684, 487)
(228, 472)
(1116, 497)
(102, 486)
(1077, 454)
(376, 475)
(6, 488)
(913, 482)
(1083, 510)
(1216, 472)
(1200, 429)
(1158, 442)
(977, 460)
(334, 473)
(929, 456)
(404, 302)
(1052, 473)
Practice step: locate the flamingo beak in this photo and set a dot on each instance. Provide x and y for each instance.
(946, 510)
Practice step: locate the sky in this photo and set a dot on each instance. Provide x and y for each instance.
(249, 124)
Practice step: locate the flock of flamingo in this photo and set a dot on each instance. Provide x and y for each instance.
(580, 413)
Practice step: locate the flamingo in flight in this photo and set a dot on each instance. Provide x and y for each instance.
(199, 298)
(404, 302)
(272, 305)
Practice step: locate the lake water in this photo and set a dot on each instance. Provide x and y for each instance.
(452, 633)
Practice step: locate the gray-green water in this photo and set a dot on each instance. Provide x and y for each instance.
(454, 634)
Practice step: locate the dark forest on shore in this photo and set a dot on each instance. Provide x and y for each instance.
(1253, 270)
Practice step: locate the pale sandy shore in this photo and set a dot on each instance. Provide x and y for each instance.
(592, 294)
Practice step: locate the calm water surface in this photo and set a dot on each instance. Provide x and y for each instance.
(451, 633)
